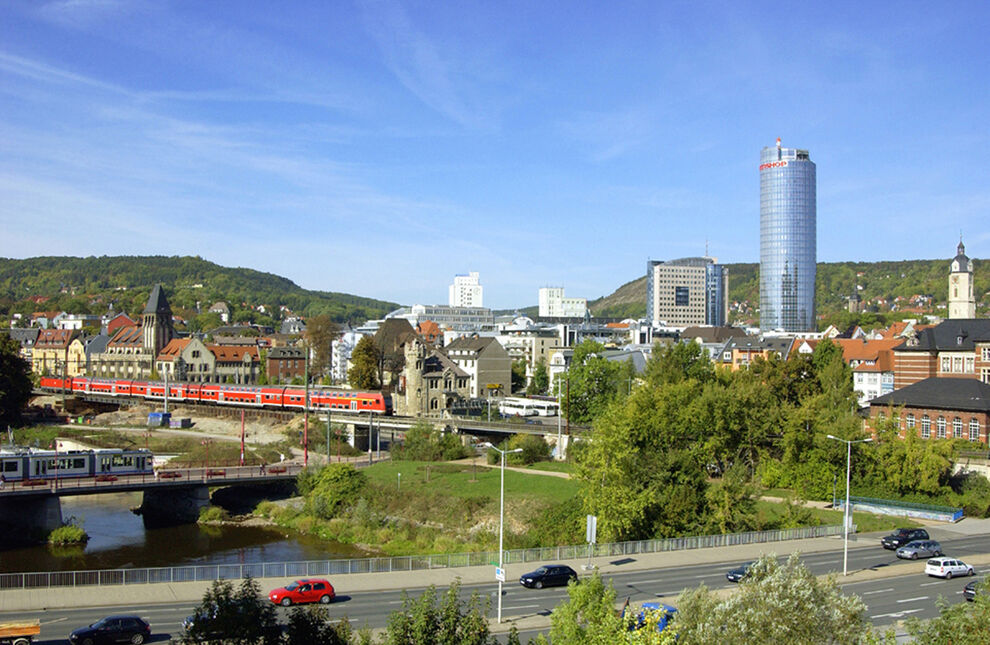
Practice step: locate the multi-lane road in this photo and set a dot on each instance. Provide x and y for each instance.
(889, 599)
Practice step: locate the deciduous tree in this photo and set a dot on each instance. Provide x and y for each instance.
(363, 374)
(15, 382)
(320, 332)
(445, 620)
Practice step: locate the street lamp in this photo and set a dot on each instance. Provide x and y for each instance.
(846, 515)
(501, 515)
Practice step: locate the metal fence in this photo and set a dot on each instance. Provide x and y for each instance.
(907, 509)
(208, 573)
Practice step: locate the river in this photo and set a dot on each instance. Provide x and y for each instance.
(119, 539)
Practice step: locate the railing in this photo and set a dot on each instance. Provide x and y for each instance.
(907, 509)
(207, 573)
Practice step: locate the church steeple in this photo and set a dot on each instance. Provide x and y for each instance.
(156, 322)
(962, 303)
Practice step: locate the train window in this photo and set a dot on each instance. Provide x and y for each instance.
(78, 463)
(10, 466)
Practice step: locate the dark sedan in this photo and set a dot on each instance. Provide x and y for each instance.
(113, 629)
(551, 575)
(900, 537)
(969, 591)
(737, 574)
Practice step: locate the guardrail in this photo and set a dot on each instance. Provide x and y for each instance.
(207, 573)
(905, 509)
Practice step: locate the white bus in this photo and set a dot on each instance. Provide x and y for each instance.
(512, 406)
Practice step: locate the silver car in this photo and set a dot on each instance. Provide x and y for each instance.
(919, 549)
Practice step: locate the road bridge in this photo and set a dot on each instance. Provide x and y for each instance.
(30, 509)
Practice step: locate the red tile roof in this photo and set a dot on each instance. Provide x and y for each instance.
(173, 349)
(233, 353)
(54, 338)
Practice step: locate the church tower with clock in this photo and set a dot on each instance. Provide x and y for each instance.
(962, 304)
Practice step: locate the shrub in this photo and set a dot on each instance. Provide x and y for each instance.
(68, 534)
(213, 514)
(335, 486)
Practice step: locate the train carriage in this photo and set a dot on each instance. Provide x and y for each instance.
(24, 464)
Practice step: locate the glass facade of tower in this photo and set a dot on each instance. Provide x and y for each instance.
(788, 239)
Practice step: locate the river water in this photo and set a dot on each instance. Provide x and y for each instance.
(119, 539)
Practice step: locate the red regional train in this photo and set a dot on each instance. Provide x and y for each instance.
(276, 397)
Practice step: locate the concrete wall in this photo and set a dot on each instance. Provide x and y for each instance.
(28, 520)
(177, 505)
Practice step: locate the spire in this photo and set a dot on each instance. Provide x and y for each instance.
(157, 303)
(961, 249)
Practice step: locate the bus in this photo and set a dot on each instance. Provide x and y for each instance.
(513, 406)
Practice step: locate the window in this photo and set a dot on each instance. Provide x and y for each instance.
(970, 367)
(974, 430)
(986, 353)
(940, 427)
(926, 427)
(946, 364)
(957, 364)
(910, 421)
(957, 428)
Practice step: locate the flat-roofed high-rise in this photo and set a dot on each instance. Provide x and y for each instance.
(788, 239)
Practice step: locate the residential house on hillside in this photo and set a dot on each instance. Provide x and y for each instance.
(192, 360)
(937, 408)
(118, 321)
(872, 363)
(293, 325)
(78, 321)
(222, 310)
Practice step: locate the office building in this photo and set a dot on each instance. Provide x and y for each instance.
(788, 239)
(466, 291)
(553, 304)
(688, 291)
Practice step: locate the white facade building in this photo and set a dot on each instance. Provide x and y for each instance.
(466, 291)
(553, 304)
(342, 348)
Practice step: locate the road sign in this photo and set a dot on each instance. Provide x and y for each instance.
(591, 530)
(500, 574)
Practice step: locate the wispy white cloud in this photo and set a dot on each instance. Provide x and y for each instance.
(608, 135)
(420, 65)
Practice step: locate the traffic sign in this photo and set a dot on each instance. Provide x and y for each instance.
(500, 574)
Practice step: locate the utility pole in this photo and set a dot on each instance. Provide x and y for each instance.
(306, 411)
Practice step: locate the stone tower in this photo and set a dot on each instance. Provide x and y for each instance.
(156, 322)
(962, 304)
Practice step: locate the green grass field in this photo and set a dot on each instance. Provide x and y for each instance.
(865, 522)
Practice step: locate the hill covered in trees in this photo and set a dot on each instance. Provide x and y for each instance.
(92, 284)
(835, 282)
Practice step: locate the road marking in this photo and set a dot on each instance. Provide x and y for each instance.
(897, 614)
(52, 622)
(913, 599)
(867, 593)
(929, 584)
(520, 607)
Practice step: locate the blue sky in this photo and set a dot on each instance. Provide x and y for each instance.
(378, 148)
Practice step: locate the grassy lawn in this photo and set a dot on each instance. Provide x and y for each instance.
(554, 466)
(865, 522)
(463, 481)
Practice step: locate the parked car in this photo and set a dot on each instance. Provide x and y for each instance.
(948, 567)
(919, 549)
(300, 591)
(665, 612)
(900, 537)
(113, 629)
(740, 572)
(969, 591)
(551, 575)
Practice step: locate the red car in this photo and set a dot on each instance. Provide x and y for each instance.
(306, 590)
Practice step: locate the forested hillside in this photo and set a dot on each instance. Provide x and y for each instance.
(90, 285)
(835, 282)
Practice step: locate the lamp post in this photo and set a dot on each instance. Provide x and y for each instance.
(846, 515)
(501, 514)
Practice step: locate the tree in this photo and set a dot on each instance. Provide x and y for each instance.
(312, 625)
(541, 380)
(320, 332)
(593, 382)
(587, 617)
(363, 374)
(241, 617)
(335, 486)
(675, 362)
(775, 603)
(425, 443)
(439, 619)
(15, 382)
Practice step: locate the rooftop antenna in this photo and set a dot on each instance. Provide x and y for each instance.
(706, 247)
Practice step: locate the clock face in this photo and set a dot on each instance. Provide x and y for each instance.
(955, 279)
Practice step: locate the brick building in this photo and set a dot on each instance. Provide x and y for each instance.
(937, 408)
(957, 348)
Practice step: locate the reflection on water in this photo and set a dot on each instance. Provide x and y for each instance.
(118, 539)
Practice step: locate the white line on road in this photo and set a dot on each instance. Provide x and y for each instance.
(913, 599)
(867, 593)
(897, 614)
(520, 607)
(929, 584)
(52, 622)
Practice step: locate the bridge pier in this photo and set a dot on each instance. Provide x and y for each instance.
(28, 520)
(174, 505)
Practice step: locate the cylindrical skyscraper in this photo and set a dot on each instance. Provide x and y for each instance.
(788, 239)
